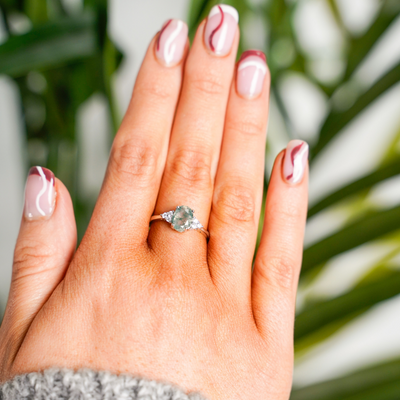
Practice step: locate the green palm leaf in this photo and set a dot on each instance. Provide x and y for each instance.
(359, 47)
(366, 182)
(336, 121)
(379, 382)
(49, 45)
(365, 229)
(361, 298)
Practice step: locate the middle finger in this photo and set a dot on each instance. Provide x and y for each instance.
(199, 123)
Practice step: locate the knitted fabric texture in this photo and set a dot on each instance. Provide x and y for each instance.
(86, 384)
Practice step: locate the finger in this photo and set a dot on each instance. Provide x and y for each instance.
(138, 154)
(239, 182)
(197, 132)
(45, 246)
(278, 261)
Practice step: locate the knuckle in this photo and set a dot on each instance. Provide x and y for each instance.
(280, 271)
(235, 202)
(246, 127)
(31, 258)
(132, 160)
(193, 167)
(287, 213)
(207, 84)
(154, 90)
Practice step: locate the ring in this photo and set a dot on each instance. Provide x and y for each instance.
(181, 219)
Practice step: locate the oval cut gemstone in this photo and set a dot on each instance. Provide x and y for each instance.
(182, 218)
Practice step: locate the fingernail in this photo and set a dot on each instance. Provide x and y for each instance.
(221, 28)
(40, 194)
(295, 161)
(171, 41)
(251, 72)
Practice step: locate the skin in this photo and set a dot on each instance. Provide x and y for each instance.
(158, 303)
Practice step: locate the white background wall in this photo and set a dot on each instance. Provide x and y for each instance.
(356, 151)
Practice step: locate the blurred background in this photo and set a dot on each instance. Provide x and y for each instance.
(67, 68)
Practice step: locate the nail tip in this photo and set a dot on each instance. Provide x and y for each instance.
(227, 9)
(33, 171)
(297, 142)
(42, 171)
(253, 52)
(170, 20)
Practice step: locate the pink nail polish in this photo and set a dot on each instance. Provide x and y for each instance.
(171, 41)
(251, 72)
(295, 161)
(40, 194)
(221, 28)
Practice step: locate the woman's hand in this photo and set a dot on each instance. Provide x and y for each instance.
(159, 303)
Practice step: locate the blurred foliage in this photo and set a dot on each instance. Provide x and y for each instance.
(319, 318)
(60, 57)
(377, 382)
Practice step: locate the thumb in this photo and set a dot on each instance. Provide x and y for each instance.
(45, 245)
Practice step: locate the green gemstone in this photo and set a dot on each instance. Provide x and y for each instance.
(182, 218)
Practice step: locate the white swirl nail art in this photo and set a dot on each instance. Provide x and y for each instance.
(295, 162)
(251, 72)
(39, 194)
(171, 41)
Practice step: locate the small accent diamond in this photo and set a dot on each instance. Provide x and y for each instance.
(196, 224)
(168, 216)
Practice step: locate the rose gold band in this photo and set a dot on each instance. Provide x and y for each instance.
(160, 218)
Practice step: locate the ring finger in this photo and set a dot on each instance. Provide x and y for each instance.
(196, 136)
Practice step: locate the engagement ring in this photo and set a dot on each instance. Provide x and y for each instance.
(181, 219)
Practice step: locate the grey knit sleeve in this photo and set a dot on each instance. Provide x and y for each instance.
(86, 384)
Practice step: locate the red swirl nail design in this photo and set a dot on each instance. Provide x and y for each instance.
(292, 157)
(171, 42)
(161, 32)
(46, 172)
(295, 161)
(220, 29)
(216, 29)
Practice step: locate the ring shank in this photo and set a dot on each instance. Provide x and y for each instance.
(155, 218)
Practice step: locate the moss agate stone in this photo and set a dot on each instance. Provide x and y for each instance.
(182, 218)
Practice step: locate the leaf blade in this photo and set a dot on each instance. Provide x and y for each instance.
(360, 47)
(366, 182)
(49, 45)
(358, 299)
(361, 231)
(368, 379)
(336, 121)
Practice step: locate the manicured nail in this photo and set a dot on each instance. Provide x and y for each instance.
(220, 29)
(171, 41)
(251, 72)
(295, 161)
(40, 194)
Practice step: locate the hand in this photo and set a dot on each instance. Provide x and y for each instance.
(162, 304)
